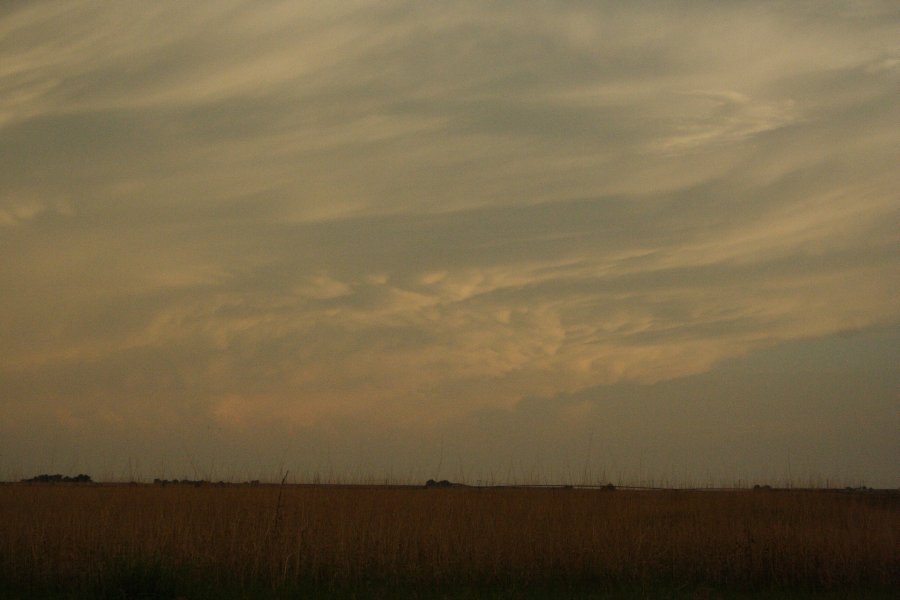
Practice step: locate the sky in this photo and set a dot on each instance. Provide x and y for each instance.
(545, 241)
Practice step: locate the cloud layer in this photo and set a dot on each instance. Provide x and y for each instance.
(396, 217)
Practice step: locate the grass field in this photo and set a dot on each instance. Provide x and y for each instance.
(148, 541)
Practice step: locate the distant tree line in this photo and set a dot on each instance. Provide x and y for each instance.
(196, 482)
(57, 478)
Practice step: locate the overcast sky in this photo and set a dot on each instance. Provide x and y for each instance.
(553, 241)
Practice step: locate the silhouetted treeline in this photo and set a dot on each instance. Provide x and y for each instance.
(57, 478)
(196, 482)
(431, 483)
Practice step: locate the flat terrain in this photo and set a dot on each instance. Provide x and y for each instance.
(149, 541)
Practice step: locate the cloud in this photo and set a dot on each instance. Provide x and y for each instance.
(21, 208)
(257, 215)
(711, 118)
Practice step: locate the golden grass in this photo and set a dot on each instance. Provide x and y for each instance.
(72, 536)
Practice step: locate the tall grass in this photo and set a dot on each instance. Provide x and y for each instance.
(81, 537)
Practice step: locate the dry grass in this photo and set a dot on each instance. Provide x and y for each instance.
(78, 536)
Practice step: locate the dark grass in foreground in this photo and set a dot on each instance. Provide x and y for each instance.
(117, 541)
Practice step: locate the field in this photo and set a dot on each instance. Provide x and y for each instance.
(187, 541)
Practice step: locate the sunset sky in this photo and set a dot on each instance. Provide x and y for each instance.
(508, 241)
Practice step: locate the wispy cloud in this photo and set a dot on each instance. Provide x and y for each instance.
(259, 214)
